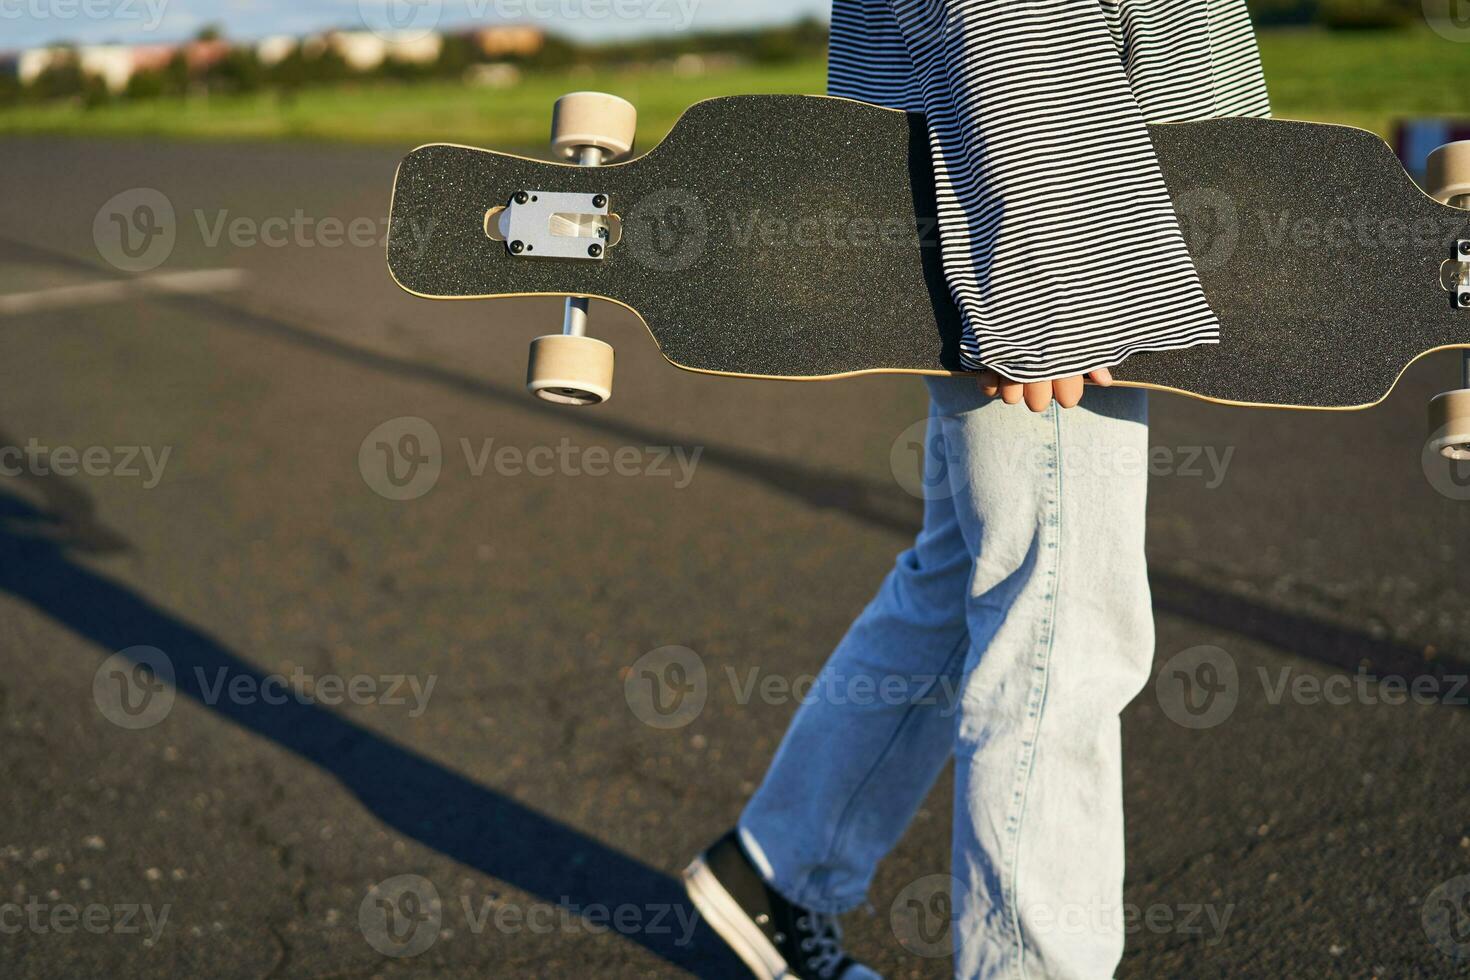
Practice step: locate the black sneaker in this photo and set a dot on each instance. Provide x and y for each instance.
(777, 939)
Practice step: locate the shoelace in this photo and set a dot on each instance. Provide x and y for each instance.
(825, 939)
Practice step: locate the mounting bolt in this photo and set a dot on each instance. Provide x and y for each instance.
(517, 247)
(600, 201)
(522, 197)
(595, 250)
(1465, 299)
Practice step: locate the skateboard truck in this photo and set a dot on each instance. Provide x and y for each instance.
(1448, 182)
(589, 129)
(555, 225)
(1456, 277)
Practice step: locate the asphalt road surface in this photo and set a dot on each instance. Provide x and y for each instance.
(264, 718)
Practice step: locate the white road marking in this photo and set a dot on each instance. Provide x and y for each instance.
(92, 294)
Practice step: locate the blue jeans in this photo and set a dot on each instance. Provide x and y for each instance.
(1010, 636)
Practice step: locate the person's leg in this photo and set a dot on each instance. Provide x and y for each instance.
(1061, 632)
(866, 746)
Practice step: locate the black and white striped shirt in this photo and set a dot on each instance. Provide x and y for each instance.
(1058, 237)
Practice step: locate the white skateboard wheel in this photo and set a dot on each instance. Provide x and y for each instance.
(581, 119)
(570, 370)
(1447, 174)
(1449, 424)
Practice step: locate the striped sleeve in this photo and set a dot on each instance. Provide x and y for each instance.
(1058, 237)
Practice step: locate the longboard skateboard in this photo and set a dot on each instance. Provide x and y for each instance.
(793, 237)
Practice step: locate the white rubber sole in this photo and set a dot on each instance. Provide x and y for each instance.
(727, 918)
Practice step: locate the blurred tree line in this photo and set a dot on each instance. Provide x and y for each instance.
(241, 70)
(1340, 14)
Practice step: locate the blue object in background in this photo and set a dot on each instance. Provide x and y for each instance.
(1415, 139)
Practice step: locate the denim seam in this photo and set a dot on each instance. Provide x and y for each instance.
(845, 820)
(1052, 535)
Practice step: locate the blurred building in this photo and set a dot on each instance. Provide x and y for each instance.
(201, 56)
(153, 57)
(116, 64)
(113, 63)
(272, 51)
(33, 63)
(508, 41)
(365, 50)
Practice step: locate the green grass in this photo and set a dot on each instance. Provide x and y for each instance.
(1365, 79)
(419, 113)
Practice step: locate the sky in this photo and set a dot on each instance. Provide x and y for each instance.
(24, 23)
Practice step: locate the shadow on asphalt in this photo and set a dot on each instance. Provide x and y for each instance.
(409, 792)
(881, 504)
(433, 805)
(1340, 647)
